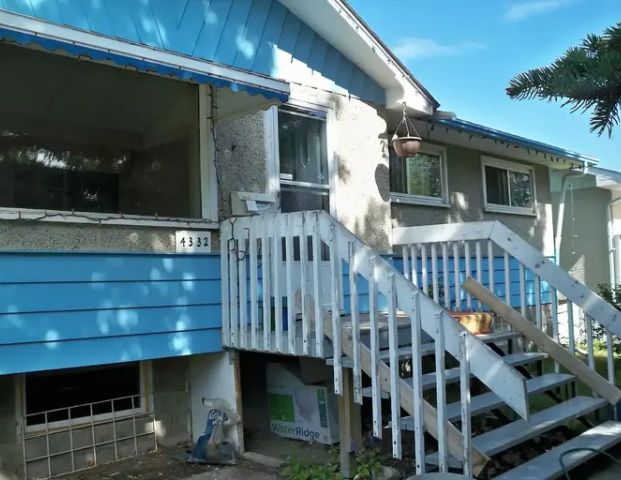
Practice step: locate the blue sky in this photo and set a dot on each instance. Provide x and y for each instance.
(466, 51)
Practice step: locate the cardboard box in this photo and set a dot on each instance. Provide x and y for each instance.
(300, 411)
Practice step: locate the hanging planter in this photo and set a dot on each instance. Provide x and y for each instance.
(406, 145)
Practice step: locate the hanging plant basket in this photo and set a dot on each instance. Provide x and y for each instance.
(408, 144)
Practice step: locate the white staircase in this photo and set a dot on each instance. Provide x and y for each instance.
(302, 284)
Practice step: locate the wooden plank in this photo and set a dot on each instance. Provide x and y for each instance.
(454, 440)
(441, 233)
(335, 288)
(406, 263)
(417, 389)
(289, 219)
(468, 272)
(464, 388)
(548, 467)
(267, 290)
(547, 344)
(275, 257)
(414, 266)
(319, 344)
(456, 272)
(445, 275)
(395, 403)
(303, 238)
(376, 393)
(225, 232)
(557, 278)
(441, 395)
(355, 322)
(434, 273)
(254, 307)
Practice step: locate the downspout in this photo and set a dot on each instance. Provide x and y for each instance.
(612, 271)
(558, 232)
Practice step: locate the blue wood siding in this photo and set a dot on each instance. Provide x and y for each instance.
(62, 310)
(499, 279)
(239, 33)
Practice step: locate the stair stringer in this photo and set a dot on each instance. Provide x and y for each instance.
(406, 399)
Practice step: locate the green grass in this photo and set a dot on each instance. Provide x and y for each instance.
(540, 402)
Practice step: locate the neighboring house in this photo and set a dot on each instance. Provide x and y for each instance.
(127, 132)
(591, 200)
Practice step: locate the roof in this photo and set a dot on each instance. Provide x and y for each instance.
(512, 139)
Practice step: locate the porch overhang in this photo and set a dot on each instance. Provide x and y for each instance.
(33, 33)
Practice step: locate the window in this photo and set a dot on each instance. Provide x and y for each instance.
(80, 136)
(304, 179)
(72, 391)
(420, 179)
(508, 187)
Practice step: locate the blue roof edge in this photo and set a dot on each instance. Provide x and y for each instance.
(492, 133)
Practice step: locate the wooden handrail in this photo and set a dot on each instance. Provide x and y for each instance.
(559, 353)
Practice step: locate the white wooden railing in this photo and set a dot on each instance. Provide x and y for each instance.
(293, 284)
(543, 290)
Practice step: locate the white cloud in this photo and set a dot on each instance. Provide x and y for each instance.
(523, 10)
(414, 48)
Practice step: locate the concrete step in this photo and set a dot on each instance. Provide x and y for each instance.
(489, 401)
(427, 348)
(548, 466)
(514, 433)
(452, 374)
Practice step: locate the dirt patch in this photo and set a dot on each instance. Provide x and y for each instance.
(170, 463)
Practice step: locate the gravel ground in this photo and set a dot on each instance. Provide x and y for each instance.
(170, 463)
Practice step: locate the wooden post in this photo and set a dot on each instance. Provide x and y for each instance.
(350, 426)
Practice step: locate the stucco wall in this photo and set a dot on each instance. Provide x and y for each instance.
(11, 467)
(240, 158)
(584, 243)
(171, 399)
(465, 184)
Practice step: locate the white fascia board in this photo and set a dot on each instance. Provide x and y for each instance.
(605, 178)
(95, 41)
(339, 26)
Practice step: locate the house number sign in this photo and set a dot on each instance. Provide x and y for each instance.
(193, 241)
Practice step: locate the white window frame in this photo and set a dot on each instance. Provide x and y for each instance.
(509, 166)
(146, 405)
(412, 199)
(273, 151)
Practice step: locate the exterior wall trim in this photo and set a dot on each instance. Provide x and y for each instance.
(58, 216)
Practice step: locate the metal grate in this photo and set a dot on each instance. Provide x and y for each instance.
(53, 447)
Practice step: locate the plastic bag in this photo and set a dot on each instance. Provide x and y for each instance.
(212, 447)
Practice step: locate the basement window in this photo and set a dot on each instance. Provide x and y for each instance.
(508, 187)
(421, 179)
(62, 395)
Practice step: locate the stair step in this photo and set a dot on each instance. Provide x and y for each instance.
(452, 374)
(547, 466)
(514, 433)
(488, 401)
(428, 348)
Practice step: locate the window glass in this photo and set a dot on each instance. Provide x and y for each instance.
(421, 175)
(303, 162)
(70, 391)
(496, 185)
(76, 135)
(302, 142)
(424, 175)
(507, 187)
(521, 189)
